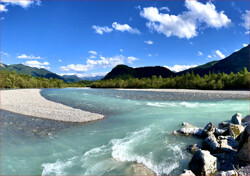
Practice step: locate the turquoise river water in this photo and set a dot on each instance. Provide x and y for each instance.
(136, 130)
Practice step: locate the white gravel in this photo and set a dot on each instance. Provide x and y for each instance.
(30, 102)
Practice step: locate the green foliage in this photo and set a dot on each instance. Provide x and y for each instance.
(14, 80)
(211, 81)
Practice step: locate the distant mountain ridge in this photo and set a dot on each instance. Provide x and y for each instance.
(233, 63)
(125, 72)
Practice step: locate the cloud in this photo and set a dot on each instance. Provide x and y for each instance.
(245, 18)
(37, 64)
(24, 56)
(81, 75)
(209, 57)
(178, 68)
(220, 54)
(185, 25)
(125, 27)
(131, 59)
(244, 45)
(149, 42)
(100, 30)
(121, 50)
(59, 60)
(3, 8)
(165, 8)
(22, 3)
(5, 54)
(200, 53)
(92, 52)
(149, 55)
(101, 62)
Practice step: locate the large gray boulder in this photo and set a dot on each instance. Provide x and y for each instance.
(236, 118)
(203, 163)
(246, 119)
(188, 130)
(227, 143)
(235, 130)
(209, 129)
(187, 173)
(211, 143)
(243, 149)
(223, 125)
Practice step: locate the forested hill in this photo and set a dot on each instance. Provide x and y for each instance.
(233, 63)
(126, 72)
(38, 72)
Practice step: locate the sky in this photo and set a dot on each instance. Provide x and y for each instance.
(89, 38)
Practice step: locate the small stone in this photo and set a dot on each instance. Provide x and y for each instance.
(187, 173)
(193, 148)
(223, 125)
(236, 118)
(185, 124)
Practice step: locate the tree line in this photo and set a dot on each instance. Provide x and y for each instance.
(209, 81)
(15, 80)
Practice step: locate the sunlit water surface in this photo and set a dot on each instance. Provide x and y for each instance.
(136, 130)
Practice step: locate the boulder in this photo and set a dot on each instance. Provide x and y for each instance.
(208, 129)
(223, 125)
(246, 119)
(236, 118)
(228, 173)
(226, 160)
(139, 169)
(185, 124)
(235, 130)
(187, 173)
(243, 149)
(189, 131)
(203, 163)
(211, 143)
(219, 132)
(227, 143)
(193, 148)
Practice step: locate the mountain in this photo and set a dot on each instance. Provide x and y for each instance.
(37, 72)
(125, 72)
(233, 63)
(92, 78)
(71, 78)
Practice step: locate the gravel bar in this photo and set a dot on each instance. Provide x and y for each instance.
(30, 102)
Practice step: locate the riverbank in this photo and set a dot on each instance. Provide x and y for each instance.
(30, 102)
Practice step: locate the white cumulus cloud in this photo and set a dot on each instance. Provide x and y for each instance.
(244, 45)
(24, 56)
(100, 30)
(38, 64)
(200, 53)
(101, 62)
(149, 42)
(125, 27)
(22, 3)
(92, 52)
(165, 8)
(222, 56)
(245, 18)
(178, 68)
(185, 25)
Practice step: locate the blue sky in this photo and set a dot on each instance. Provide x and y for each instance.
(90, 38)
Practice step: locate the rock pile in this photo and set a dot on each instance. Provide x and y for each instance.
(224, 150)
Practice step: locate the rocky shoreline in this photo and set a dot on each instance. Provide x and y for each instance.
(224, 150)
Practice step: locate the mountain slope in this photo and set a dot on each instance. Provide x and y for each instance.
(233, 63)
(125, 72)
